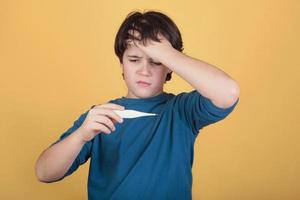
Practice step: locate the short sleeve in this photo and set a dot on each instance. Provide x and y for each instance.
(84, 153)
(199, 111)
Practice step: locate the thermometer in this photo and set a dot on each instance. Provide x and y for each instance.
(132, 113)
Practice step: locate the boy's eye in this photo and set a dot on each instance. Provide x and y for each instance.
(156, 63)
(136, 60)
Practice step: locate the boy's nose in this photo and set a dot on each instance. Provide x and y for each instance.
(145, 69)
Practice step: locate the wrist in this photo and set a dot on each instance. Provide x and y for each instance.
(169, 56)
(78, 136)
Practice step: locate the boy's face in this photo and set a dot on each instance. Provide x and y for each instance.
(138, 68)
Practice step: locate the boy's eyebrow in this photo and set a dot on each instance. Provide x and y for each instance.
(134, 56)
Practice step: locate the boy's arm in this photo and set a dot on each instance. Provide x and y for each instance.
(208, 80)
(199, 111)
(74, 146)
(55, 161)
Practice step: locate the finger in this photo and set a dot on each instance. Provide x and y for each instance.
(138, 43)
(103, 128)
(110, 113)
(135, 38)
(105, 121)
(110, 106)
(133, 43)
(129, 42)
(135, 34)
(114, 121)
(161, 37)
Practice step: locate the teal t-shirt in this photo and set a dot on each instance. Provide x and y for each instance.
(149, 157)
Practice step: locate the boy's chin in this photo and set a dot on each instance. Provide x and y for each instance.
(142, 94)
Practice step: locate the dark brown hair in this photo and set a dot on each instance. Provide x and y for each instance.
(149, 24)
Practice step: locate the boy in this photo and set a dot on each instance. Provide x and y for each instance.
(149, 157)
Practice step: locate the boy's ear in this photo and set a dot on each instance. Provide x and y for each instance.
(121, 65)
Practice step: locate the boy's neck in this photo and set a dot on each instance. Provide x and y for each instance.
(132, 96)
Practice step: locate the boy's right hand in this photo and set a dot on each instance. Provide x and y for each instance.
(100, 118)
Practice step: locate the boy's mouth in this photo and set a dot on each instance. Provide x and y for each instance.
(143, 83)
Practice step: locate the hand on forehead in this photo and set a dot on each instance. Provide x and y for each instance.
(153, 49)
(136, 40)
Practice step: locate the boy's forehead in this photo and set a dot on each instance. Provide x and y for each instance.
(133, 50)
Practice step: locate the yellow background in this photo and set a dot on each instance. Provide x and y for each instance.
(57, 60)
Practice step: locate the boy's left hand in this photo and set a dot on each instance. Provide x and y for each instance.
(153, 49)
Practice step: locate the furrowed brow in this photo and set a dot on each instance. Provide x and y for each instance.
(133, 56)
